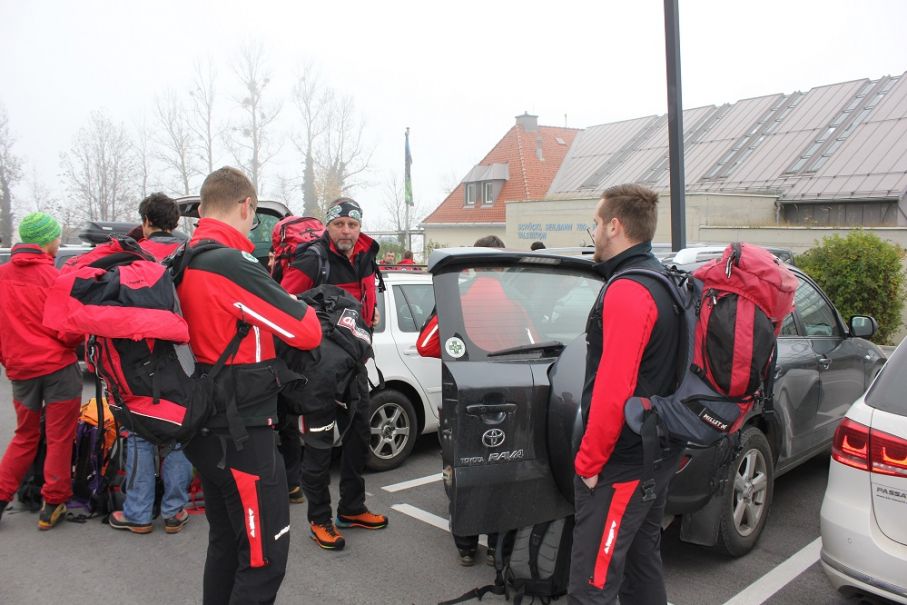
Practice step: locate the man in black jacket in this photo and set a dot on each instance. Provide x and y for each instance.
(345, 257)
(236, 454)
(632, 336)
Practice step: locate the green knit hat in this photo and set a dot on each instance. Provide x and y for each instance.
(39, 228)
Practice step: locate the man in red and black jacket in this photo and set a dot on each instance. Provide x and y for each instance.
(344, 257)
(633, 337)
(244, 482)
(41, 364)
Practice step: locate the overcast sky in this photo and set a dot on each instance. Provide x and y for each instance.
(456, 73)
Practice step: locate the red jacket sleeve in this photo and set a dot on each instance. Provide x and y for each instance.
(628, 316)
(296, 281)
(429, 343)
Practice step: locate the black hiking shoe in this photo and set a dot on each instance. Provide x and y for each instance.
(296, 495)
(467, 557)
(3, 505)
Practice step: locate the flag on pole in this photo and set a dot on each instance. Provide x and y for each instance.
(407, 179)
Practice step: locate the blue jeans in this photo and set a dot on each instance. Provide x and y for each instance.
(176, 472)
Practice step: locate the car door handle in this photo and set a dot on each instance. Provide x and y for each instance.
(824, 362)
(491, 413)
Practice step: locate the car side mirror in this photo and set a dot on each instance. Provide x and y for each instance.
(863, 326)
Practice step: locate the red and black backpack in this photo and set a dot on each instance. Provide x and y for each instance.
(731, 313)
(138, 341)
(291, 237)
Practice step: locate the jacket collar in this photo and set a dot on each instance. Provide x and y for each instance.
(634, 255)
(30, 254)
(221, 232)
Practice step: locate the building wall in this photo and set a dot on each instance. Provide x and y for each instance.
(564, 222)
(463, 234)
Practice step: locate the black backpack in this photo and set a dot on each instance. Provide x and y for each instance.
(331, 370)
(532, 561)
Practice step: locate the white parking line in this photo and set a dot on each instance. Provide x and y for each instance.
(763, 588)
(399, 487)
(422, 515)
(430, 518)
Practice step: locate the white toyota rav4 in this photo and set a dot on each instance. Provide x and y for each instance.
(407, 405)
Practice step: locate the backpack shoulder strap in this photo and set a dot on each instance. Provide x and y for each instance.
(183, 256)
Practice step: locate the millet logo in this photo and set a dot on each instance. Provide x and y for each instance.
(715, 423)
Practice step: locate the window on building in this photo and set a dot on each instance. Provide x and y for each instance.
(488, 196)
(470, 194)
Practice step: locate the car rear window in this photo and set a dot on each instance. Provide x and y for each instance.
(889, 391)
(504, 308)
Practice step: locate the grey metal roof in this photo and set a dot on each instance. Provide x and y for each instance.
(840, 141)
(494, 172)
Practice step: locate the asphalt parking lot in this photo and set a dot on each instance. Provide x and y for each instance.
(412, 561)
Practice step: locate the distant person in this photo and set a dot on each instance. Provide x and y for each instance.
(42, 366)
(226, 293)
(407, 258)
(536, 246)
(632, 343)
(489, 241)
(160, 216)
(388, 261)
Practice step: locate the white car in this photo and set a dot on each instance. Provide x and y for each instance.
(864, 513)
(406, 406)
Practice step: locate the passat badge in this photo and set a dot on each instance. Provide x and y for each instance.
(455, 347)
(249, 257)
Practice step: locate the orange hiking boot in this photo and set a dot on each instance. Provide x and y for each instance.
(327, 536)
(50, 515)
(367, 519)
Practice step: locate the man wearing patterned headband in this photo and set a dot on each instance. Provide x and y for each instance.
(350, 256)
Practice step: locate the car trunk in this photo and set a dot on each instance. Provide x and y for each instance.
(504, 319)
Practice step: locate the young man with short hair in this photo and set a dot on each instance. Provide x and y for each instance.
(224, 293)
(42, 366)
(632, 337)
(160, 216)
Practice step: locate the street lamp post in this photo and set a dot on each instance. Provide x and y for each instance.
(675, 127)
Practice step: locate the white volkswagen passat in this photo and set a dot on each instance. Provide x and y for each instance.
(864, 513)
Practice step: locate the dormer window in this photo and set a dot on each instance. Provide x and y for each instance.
(488, 196)
(470, 194)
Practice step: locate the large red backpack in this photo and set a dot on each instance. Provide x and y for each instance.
(730, 311)
(746, 294)
(291, 237)
(126, 303)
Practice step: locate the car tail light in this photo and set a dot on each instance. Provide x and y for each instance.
(867, 449)
(888, 454)
(851, 444)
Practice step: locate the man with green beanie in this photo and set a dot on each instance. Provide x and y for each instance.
(42, 366)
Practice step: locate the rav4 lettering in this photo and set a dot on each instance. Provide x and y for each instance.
(505, 456)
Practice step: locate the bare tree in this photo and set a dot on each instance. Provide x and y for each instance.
(143, 158)
(10, 173)
(251, 143)
(341, 156)
(313, 101)
(42, 199)
(203, 95)
(394, 204)
(175, 139)
(99, 170)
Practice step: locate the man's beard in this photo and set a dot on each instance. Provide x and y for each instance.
(345, 245)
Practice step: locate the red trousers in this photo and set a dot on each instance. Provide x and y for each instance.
(60, 419)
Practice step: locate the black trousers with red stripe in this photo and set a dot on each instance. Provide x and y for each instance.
(617, 537)
(248, 514)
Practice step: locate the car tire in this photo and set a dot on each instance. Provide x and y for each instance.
(393, 428)
(748, 497)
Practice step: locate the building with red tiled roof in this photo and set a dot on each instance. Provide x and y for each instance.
(520, 167)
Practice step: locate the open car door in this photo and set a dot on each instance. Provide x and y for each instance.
(504, 319)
